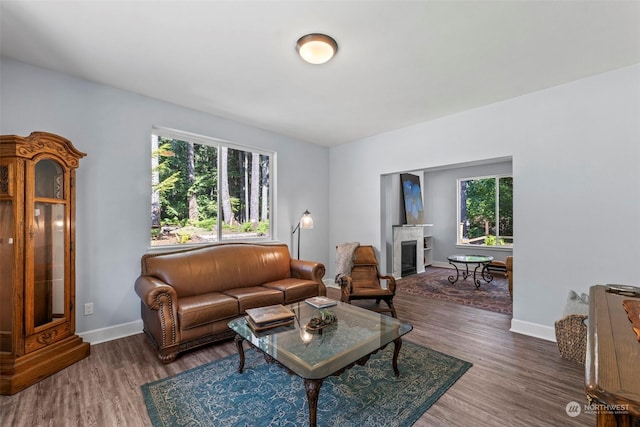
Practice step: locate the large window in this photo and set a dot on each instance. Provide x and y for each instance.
(206, 190)
(485, 213)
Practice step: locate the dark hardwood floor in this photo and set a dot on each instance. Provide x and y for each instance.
(515, 380)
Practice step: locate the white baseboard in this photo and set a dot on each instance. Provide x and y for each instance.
(98, 336)
(442, 264)
(434, 264)
(533, 330)
(329, 283)
(112, 332)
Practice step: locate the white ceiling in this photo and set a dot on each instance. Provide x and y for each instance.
(398, 62)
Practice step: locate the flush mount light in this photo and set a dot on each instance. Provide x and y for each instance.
(316, 48)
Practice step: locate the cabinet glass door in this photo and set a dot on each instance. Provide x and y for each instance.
(48, 244)
(48, 257)
(6, 259)
(6, 275)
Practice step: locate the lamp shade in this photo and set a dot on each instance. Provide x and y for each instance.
(306, 221)
(316, 48)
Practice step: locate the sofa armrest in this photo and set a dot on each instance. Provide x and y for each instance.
(160, 315)
(309, 270)
(151, 290)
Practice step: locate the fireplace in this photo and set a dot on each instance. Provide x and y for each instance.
(407, 234)
(408, 258)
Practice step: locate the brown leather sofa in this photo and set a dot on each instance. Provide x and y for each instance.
(189, 296)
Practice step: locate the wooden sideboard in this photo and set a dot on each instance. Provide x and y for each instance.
(612, 371)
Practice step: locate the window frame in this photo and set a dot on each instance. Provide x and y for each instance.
(459, 228)
(217, 143)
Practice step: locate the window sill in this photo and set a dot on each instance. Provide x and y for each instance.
(172, 248)
(483, 248)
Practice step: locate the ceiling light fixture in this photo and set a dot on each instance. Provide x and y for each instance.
(316, 48)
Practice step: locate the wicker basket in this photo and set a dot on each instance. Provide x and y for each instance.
(571, 336)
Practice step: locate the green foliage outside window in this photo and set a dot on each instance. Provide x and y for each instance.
(486, 211)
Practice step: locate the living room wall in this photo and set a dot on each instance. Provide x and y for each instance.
(114, 181)
(576, 169)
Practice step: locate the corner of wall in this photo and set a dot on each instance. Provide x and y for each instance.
(533, 330)
(110, 333)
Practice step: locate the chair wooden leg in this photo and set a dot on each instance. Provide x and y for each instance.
(393, 309)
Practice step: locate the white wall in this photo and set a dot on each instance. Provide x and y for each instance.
(113, 193)
(576, 169)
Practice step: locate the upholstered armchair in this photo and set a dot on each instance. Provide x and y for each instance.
(364, 282)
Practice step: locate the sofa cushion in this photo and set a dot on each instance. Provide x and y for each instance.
(294, 289)
(255, 296)
(202, 309)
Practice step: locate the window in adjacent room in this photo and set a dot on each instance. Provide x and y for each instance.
(206, 190)
(485, 213)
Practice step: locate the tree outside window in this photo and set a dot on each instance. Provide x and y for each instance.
(486, 211)
(207, 191)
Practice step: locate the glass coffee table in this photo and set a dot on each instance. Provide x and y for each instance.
(482, 263)
(314, 356)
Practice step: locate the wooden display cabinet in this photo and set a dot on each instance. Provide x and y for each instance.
(37, 259)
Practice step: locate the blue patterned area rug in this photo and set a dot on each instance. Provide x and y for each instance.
(215, 394)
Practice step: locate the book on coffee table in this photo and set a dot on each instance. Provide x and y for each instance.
(270, 315)
(321, 302)
(267, 326)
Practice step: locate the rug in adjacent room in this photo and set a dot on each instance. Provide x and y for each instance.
(215, 394)
(434, 283)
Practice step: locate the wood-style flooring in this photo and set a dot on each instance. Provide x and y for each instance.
(515, 380)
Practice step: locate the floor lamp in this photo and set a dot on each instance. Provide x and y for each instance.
(305, 222)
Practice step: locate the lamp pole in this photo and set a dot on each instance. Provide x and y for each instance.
(305, 221)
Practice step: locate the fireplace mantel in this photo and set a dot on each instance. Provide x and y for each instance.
(403, 233)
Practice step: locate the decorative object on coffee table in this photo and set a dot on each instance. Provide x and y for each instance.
(326, 318)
